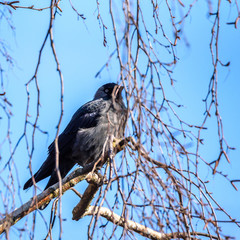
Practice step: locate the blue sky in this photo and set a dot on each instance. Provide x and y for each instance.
(81, 55)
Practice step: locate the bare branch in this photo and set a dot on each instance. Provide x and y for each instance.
(95, 181)
(136, 227)
(68, 182)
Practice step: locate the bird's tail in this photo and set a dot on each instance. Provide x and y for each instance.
(44, 171)
(48, 169)
(28, 184)
(38, 176)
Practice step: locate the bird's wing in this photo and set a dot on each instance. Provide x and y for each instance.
(85, 117)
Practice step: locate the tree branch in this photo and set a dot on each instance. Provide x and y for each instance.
(71, 180)
(139, 228)
(83, 208)
(95, 181)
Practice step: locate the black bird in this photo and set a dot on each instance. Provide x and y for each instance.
(84, 138)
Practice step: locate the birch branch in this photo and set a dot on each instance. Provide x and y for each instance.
(95, 181)
(71, 180)
(139, 228)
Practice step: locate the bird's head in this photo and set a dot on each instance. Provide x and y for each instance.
(108, 91)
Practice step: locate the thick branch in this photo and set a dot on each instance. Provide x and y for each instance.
(139, 228)
(71, 180)
(95, 181)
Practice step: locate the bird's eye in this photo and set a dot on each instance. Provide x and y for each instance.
(106, 90)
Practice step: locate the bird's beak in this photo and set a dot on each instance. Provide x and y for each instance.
(117, 92)
(120, 89)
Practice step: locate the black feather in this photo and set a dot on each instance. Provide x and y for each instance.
(83, 139)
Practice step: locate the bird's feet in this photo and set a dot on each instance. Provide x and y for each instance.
(120, 143)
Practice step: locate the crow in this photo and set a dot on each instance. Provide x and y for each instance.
(84, 139)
